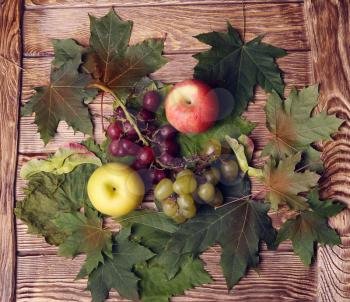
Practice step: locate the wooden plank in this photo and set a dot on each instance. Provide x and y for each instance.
(41, 4)
(328, 27)
(283, 24)
(10, 60)
(50, 278)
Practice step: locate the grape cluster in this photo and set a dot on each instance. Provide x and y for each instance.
(150, 161)
(180, 198)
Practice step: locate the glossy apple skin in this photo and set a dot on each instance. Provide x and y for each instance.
(115, 189)
(191, 106)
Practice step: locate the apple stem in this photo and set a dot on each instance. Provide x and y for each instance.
(121, 105)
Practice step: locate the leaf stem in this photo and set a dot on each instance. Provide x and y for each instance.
(121, 105)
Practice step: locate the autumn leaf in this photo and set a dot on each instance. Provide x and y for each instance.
(284, 184)
(311, 226)
(116, 272)
(238, 67)
(238, 227)
(48, 195)
(113, 62)
(85, 234)
(293, 127)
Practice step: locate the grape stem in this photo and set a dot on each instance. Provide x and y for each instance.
(121, 105)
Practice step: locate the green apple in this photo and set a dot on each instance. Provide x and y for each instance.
(115, 189)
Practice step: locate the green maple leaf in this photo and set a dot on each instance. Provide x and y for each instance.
(238, 227)
(293, 128)
(284, 184)
(85, 234)
(192, 144)
(152, 229)
(238, 66)
(156, 287)
(311, 226)
(48, 195)
(65, 97)
(117, 272)
(66, 50)
(113, 62)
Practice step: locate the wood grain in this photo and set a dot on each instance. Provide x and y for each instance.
(283, 24)
(10, 60)
(40, 4)
(49, 278)
(328, 27)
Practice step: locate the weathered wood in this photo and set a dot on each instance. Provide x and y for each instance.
(329, 29)
(50, 278)
(40, 4)
(283, 24)
(10, 60)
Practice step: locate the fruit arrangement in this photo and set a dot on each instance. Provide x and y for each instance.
(185, 146)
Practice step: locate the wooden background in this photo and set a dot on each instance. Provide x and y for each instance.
(315, 34)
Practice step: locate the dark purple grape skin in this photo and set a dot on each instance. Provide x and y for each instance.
(114, 130)
(151, 101)
(145, 115)
(167, 132)
(116, 149)
(166, 159)
(119, 113)
(159, 175)
(145, 156)
(170, 147)
(129, 130)
(129, 147)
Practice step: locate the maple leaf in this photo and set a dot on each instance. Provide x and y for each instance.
(66, 50)
(151, 229)
(238, 66)
(284, 184)
(117, 272)
(293, 128)
(113, 62)
(311, 226)
(155, 286)
(62, 100)
(47, 195)
(238, 227)
(192, 144)
(85, 234)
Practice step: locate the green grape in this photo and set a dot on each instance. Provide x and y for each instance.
(163, 189)
(184, 172)
(212, 175)
(229, 170)
(185, 185)
(189, 212)
(179, 218)
(185, 201)
(212, 148)
(206, 192)
(170, 207)
(218, 199)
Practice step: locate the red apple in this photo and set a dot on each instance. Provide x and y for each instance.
(191, 106)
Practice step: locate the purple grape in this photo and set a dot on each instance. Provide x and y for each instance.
(159, 175)
(167, 132)
(151, 101)
(114, 131)
(116, 149)
(129, 130)
(119, 113)
(170, 147)
(166, 159)
(145, 115)
(145, 156)
(129, 147)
